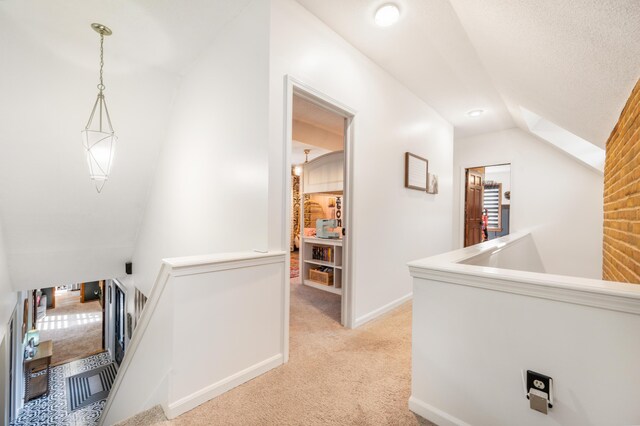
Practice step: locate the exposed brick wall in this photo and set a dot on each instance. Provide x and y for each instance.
(621, 249)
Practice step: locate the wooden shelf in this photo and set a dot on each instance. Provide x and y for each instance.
(329, 288)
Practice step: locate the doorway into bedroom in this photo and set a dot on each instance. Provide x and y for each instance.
(487, 203)
(318, 237)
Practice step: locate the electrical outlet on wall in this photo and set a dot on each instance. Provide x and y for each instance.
(538, 390)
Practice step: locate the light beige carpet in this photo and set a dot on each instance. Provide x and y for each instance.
(334, 376)
(74, 327)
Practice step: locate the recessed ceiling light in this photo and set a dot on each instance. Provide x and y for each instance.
(475, 113)
(387, 14)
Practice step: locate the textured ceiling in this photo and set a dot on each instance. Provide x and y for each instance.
(573, 62)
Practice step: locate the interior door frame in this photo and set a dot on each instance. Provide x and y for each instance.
(118, 286)
(11, 358)
(308, 92)
(462, 188)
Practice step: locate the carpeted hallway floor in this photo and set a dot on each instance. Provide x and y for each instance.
(334, 376)
(74, 327)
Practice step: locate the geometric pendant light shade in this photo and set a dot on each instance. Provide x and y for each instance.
(98, 138)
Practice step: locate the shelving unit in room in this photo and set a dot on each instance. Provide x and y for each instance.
(335, 263)
(322, 177)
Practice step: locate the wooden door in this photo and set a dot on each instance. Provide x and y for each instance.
(473, 208)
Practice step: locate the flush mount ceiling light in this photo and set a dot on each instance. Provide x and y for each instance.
(387, 14)
(98, 137)
(475, 113)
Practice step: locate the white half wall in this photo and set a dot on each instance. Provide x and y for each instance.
(476, 328)
(391, 224)
(555, 197)
(211, 323)
(210, 190)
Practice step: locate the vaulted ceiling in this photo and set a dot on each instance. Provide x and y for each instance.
(57, 228)
(572, 62)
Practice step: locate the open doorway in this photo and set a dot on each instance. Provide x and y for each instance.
(487, 203)
(71, 317)
(318, 167)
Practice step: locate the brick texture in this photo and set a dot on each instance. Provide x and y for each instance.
(621, 248)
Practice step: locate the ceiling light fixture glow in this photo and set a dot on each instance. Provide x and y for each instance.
(475, 113)
(387, 15)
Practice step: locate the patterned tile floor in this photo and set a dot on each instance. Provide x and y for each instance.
(52, 409)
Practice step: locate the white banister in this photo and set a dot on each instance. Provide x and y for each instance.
(476, 327)
(190, 344)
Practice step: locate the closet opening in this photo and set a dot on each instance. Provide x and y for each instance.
(318, 231)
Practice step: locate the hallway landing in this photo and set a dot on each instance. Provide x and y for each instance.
(334, 376)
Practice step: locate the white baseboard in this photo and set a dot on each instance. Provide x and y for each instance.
(433, 414)
(382, 310)
(174, 409)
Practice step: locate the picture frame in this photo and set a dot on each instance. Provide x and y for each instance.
(416, 170)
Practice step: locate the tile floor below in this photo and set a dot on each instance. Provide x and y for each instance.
(52, 409)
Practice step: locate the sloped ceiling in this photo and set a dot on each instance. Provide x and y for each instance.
(573, 62)
(58, 230)
(428, 51)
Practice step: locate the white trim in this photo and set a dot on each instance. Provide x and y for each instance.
(145, 318)
(174, 409)
(215, 263)
(299, 88)
(433, 414)
(447, 268)
(382, 310)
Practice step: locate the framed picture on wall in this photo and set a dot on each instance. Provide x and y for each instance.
(416, 170)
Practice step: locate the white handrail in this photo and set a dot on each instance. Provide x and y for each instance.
(450, 267)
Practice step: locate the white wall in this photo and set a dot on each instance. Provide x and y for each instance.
(554, 196)
(8, 297)
(210, 189)
(476, 328)
(391, 224)
(211, 323)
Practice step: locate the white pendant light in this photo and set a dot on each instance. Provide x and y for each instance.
(98, 138)
(387, 15)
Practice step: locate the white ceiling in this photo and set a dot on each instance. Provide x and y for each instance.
(310, 113)
(428, 51)
(146, 33)
(57, 228)
(573, 62)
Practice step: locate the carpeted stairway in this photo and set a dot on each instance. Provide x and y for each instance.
(334, 376)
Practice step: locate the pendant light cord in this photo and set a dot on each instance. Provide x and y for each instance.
(101, 85)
